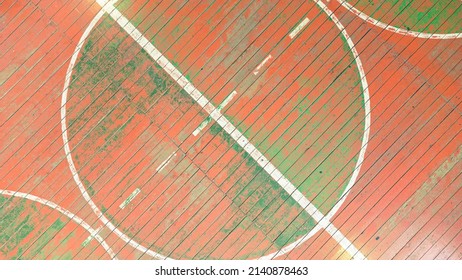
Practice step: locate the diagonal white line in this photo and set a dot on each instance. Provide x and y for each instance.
(241, 140)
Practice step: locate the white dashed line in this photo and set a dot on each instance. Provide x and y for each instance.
(129, 198)
(255, 72)
(323, 221)
(299, 28)
(165, 162)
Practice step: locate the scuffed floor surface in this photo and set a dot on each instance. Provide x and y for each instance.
(230, 129)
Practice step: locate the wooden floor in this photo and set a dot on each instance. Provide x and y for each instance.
(230, 129)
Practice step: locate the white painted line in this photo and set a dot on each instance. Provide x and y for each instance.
(173, 72)
(255, 72)
(129, 198)
(139, 247)
(89, 238)
(67, 149)
(364, 144)
(209, 119)
(299, 28)
(397, 30)
(202, 126)
(227, 100)
(165, 162)
(65, 212)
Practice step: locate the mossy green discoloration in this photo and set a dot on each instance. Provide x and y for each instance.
(14, 227)
(264, 201)
(259, 193)
(20, 220)
(90, 189)
(216, 129)
(430, 16)
(160, 82)
(113, 137)
(110, 217)
(293, 232)
(45, 238)
(124, 5)
(65, 256)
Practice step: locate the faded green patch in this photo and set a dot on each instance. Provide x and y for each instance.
(37, 251)
(16, 228)
(110, 217)
(267, 196)
(414, 203)
(13, 228)
(6, 73)
(430, 16)
(216, 129)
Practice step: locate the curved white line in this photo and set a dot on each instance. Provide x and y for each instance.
(365, 140)
(139, 247)
(67, 149)
(65, 212)
(398, 30)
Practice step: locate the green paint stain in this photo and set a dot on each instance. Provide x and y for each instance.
(37, 250)
(429, 17)
(217, 130)
(14, 228)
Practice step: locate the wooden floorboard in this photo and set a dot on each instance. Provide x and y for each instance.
(230, 129)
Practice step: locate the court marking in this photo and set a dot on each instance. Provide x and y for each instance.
(67, 213)
(165, 162)
(67, 149)
(323, 221)
(364, 141)
(255, 72)
(129, 198)
(299, 28)
(240, 139)
(209, 119)
(398, 30)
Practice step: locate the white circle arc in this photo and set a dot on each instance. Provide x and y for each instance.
(397, 30)
(282, 251)
(67, 149)
(65, 212)
(364, 141)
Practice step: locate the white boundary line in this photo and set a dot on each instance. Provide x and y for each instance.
(240, 139)
(364, 143)
(398, 30)
(299, 28)
(67, 149)
(75, 218)
(323, 221)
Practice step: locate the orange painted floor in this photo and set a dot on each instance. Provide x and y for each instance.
(230, 129)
